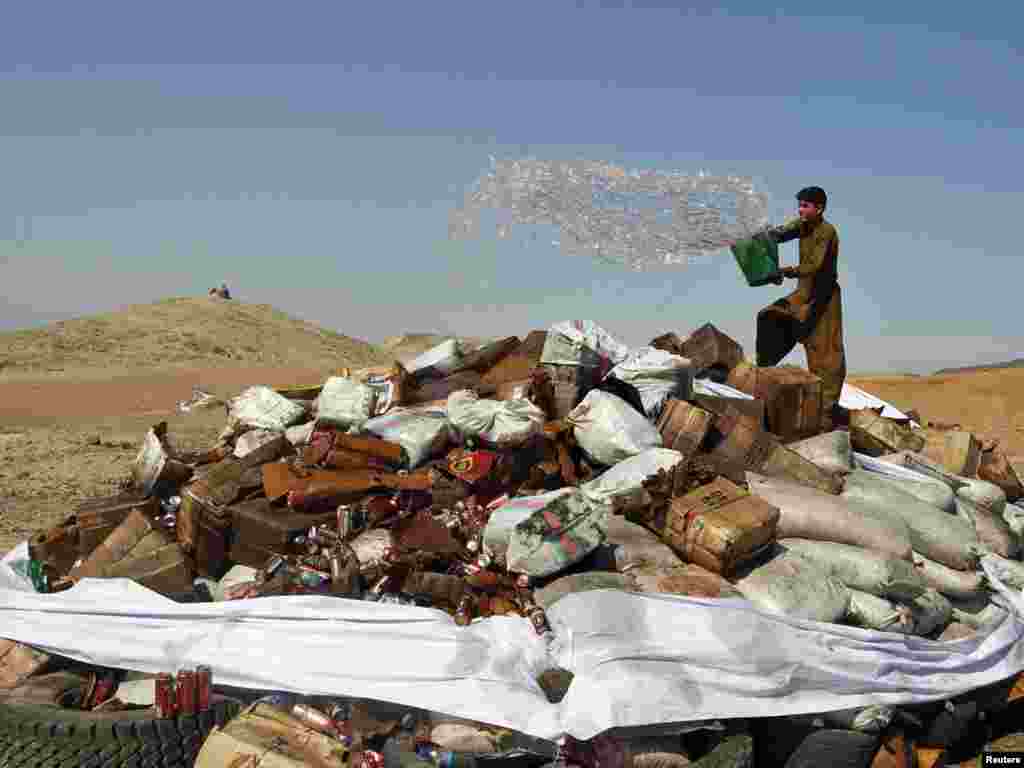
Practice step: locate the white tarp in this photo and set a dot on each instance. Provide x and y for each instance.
(714, 389)
(637, 658)
(854, 399)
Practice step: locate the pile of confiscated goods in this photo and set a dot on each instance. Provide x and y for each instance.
(496, 480)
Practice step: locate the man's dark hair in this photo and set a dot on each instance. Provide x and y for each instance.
(814, 195)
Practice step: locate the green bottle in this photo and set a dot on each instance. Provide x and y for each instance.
(40, 579)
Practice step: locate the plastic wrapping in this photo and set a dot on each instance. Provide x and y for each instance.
(1014, 517)
(921, 486)
(345, 403)
(422, 433)
(622, 486)
(300, 434)
(873, 719)
(935, 534)
(638, 547)
(688, 579)
(636, 659)
(638, 219)
(501, 423)
(542, 535)
(715, 389)
(437, 362)
(657, 376)
(956, 630)
(551, 593)
(830, 451)
(993, 531)
(609, 430)
(263, 408)
(920, 616)
(150, 462)
(583, 343)
(860, 568)
(984, 494)
(949, 581)
(1010, 572)
(807, 513)
(930, 611)
(792, 586)
(874, 612)
(259, 446)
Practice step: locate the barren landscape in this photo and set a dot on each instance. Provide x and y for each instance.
(77, 397)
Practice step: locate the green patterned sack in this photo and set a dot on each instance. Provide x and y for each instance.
(547, 533)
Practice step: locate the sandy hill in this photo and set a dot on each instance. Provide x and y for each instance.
(1016, 363)
(194, 332)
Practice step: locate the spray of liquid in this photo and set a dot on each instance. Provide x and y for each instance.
(636, 219)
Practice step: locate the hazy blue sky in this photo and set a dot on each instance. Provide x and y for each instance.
(309, 154)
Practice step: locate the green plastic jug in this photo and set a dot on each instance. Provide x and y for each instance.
(758, 259)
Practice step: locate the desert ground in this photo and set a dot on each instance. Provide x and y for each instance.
(77, 397)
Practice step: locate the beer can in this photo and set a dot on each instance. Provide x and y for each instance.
(204, 687)
(186, 697)
(372, 759)
(481, 579)
(314, 718)
(464, 612)
(335, 562)
(273, 566)
(539, 620)
(483, 606)
(105, 686)
(341, 714)
(166, 701)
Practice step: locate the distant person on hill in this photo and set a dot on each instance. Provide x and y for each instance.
(222, 292)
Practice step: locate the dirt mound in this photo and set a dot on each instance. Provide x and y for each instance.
(203, 332)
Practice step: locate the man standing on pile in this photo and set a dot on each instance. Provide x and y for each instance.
(813, 313)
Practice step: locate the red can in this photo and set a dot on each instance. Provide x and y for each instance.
(539, 619)
(166, 702)
(204, 687)
(186, 692)
(103, 690)
(372, 759)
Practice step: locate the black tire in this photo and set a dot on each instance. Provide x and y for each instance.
(47, 736)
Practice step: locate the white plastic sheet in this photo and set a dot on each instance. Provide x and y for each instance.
(437, 362)
(622, 486)
(714, 389)
(422, 433)
(300, 434)
(582, 342)
(855, 399)
(345, 403)
(502, 423)
(657, 376)
(263, 408)
(610, 430)
(637, 659)
(858, 568)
